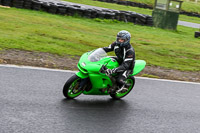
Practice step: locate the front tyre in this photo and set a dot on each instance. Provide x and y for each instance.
(130, 82)
(71, 87)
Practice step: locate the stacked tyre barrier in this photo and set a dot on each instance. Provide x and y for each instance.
(193, 14)
(197, 34)
(142, 5)
(68, 8)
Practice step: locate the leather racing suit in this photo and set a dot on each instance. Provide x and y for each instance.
(125, 58)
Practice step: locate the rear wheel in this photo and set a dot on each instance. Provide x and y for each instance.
(130, 82)
(71, 88)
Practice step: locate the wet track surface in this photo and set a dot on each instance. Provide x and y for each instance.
(31, 101)
(189, 24)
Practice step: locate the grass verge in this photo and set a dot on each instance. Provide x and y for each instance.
(130, 8)
(150, 76)
(189, 6)
(66, 35)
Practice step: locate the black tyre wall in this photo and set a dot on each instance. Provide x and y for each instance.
(63, 8)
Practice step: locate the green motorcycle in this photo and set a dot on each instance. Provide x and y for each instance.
(92, 80)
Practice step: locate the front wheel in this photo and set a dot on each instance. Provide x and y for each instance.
(71, 88)
(130, 82)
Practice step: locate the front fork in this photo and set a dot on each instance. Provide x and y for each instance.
(85, 84)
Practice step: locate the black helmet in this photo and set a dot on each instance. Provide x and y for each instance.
(125, 35)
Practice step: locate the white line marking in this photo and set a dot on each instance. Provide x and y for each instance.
(59, 70)
(168, 80)
(36, 68)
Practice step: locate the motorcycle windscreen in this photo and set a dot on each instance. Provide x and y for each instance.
(139, 66)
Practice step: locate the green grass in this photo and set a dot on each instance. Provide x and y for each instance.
(130, 8)
(66, 35)
(112, 6)
(186, 6)
(189, 19)
(150, 76)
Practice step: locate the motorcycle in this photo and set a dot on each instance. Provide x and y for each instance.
(92, 79)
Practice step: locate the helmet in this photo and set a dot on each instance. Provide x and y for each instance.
(123, 35)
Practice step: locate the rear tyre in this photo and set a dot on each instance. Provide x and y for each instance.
(130, 82)
(71, 87)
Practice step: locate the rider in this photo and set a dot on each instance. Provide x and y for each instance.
(125, 57)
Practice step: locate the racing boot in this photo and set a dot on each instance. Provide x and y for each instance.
(124, 88)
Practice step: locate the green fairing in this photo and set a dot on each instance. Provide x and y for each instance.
(81, 75)
(139, 66)
(100, 80)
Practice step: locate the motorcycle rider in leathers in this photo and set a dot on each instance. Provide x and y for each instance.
(125, 57)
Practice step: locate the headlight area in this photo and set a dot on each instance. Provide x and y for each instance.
(82, 69)
(83, 64)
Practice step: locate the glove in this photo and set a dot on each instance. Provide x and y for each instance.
(110, 71)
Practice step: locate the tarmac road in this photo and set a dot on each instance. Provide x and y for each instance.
(189, 24)
(31, 101)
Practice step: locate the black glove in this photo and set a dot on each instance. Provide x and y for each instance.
(110, 71)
